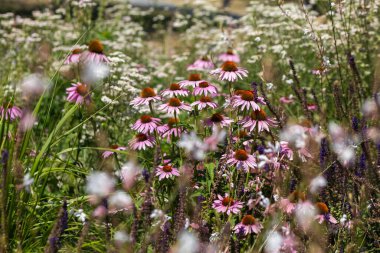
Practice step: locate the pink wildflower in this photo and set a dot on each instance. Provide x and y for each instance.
(229, 56)
(147, 95)
(174, 105)
(241, 159)
(166, 171)
(227, 205)
(248, 225)
(142, 141)
(10, 111)
(258, 119)
(204, 102)
(204, 88)
(146, 124)
(230, 71)
(175, 90)
(201, 64)
(79, 93)
(108, 153)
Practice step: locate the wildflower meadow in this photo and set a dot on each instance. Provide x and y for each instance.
(190, 127)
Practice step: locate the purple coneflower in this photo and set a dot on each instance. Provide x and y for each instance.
(324, 214)
(285, 151)
(218, 119)
(74, 56)
(204, 88)
(175, 90)
(166, 171)
(245, 99)
(147, 95)
(201, 64)
(142, 141)
(146, 124)
(94, 53)
(10, 111)
(108, 153)
(79, 93)
(171, 129)
(192, 81)
(242, 159)
(288, 205)
(248, 225)
(257, 119)
(227, 205)
(229, 56)
(312, 107)
(230, 71)
(287, 100)
(204, 102)
(174, 105)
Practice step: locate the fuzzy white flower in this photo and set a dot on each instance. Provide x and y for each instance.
(100, 184)
(317, 184)
(274, 242)
(94, 72)
(128, 173)
(192, 145)
(121, 237)
(295, 135)
(187, 243)
(120, 200)
(305, 214)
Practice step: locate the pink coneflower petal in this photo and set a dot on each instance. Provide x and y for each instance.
(79, 93)
(147, 95)
(174, 105)
(170, 130)
(146, 124)
(175, 90)
(192, 81)
(94, 54)
(227, 205)
(10, 112)
(201, 64)
(108, 153)
(248, 225)
(142, 142)
(74, 57)
(218, 119)
(229, 56)
(259, 120)
(242, 159)
(166, 171)
(204, 102)
(230, 72)
(246, 100)
(204, 88)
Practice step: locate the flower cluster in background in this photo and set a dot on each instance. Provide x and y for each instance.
(132, 129)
